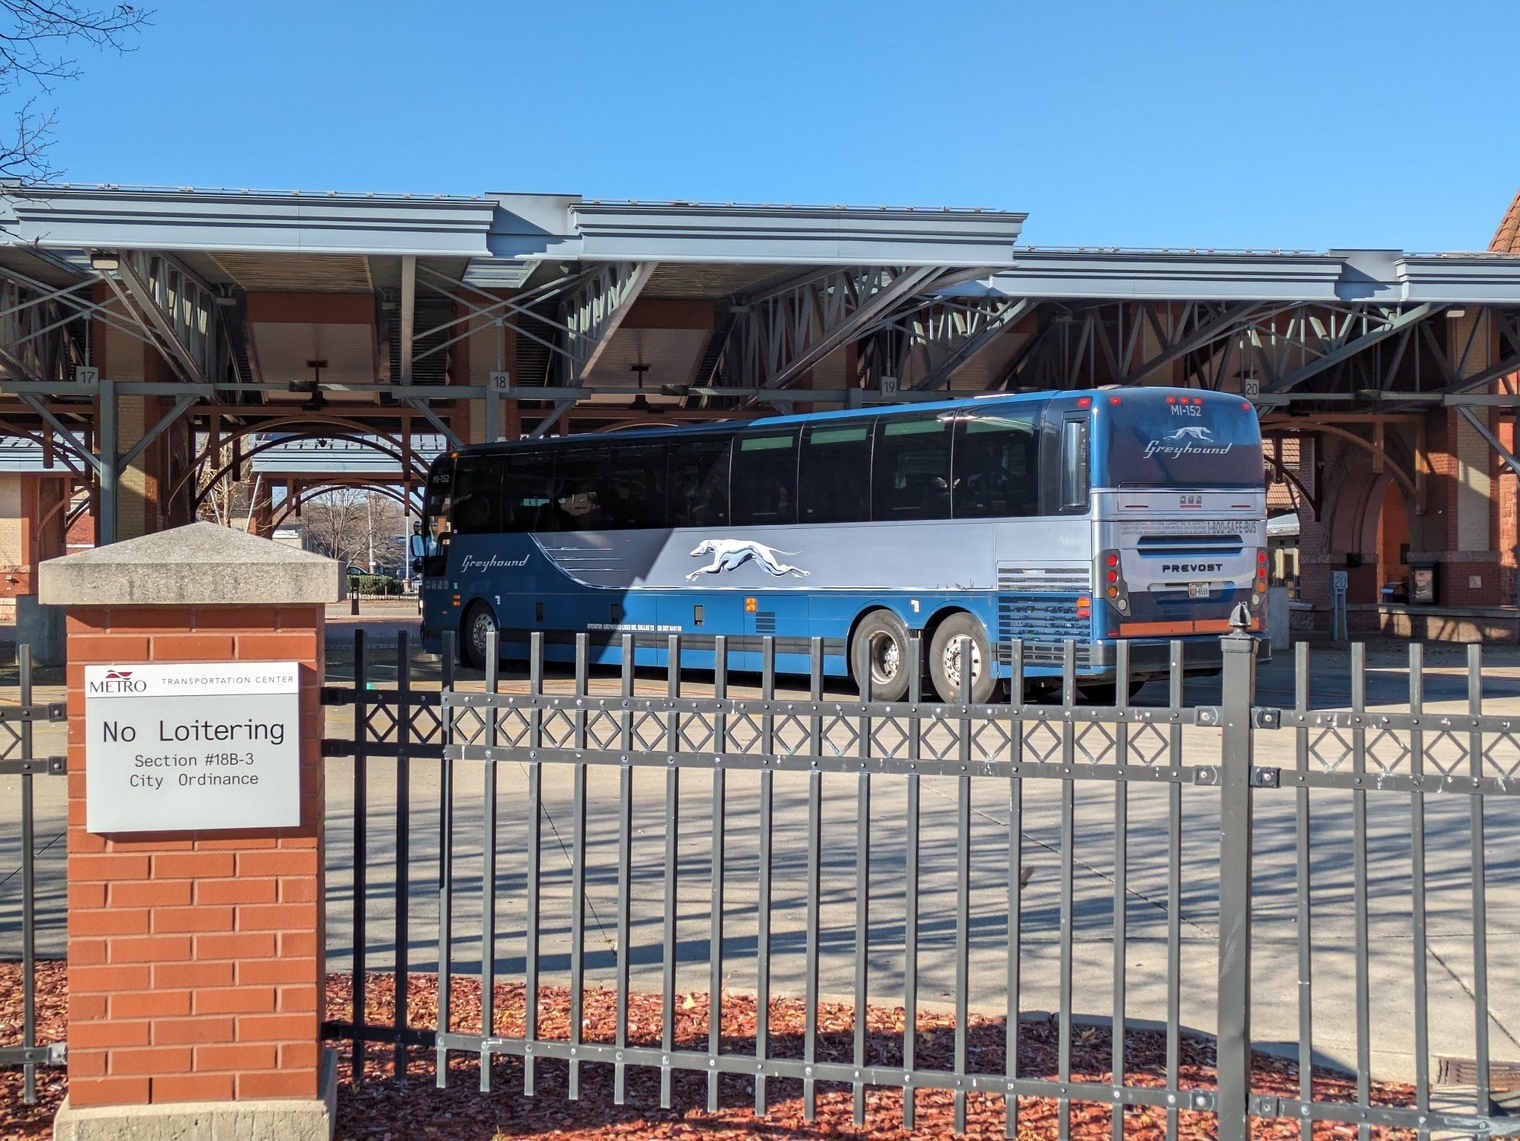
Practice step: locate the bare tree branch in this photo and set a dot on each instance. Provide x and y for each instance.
(35, 38)
(357, 527)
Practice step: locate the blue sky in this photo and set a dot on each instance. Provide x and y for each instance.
(1290, 125)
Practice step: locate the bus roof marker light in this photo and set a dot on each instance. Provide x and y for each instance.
(1114, 400)
(1171, 400)
(1083, 401)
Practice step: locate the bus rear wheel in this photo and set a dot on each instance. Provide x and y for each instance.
(879, 648)
(479, 623)
(945, 659)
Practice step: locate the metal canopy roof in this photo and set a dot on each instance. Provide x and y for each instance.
(1382, 276)
(489, 227)
(498, 240)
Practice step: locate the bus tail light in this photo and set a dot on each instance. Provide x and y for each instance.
(1259, 584)
(1084, 606)
(1110, 581)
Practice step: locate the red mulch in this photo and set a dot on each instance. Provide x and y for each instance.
(384, 1109)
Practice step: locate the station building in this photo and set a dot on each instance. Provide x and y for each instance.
(156, 343)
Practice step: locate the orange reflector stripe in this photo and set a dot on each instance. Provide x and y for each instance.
(1153, 629)
(1166, 629)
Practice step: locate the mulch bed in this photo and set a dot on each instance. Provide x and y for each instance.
(383, 1108)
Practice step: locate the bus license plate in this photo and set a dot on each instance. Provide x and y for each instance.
(1198, 590)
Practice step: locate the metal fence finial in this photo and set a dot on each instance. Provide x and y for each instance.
(1240, 619)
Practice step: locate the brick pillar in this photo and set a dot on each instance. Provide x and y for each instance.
(196, 965)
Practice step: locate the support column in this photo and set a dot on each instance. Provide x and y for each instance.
(490, 348)
(32, 509)
(262, 510)
(106, 427)
(196, 955)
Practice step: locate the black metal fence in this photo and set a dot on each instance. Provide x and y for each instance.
(853, 857)
(17, 759)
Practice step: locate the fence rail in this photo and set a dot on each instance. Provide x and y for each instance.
(904, 886)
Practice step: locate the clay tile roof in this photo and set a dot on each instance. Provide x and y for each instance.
(1507, 237)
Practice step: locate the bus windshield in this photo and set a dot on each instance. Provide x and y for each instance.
(435, 515)
(1187, 442)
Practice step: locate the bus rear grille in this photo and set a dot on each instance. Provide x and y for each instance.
(1012, 581)
(1187, 546)
(1044, 622)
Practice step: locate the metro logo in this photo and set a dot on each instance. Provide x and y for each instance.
(118, 681)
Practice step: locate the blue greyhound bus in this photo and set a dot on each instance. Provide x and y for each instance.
(1136, 514)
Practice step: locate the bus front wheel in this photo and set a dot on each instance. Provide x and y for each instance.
(945, 659)
(479, 624)
(880, 647)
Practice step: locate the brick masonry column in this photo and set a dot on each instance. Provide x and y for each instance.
(196, 958)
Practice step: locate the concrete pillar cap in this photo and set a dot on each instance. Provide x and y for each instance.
(198, 565)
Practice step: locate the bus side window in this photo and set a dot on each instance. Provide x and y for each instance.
(911, 468)
(996, 466)
(764, 482)
(698, 482)
(633, 495)
(477, 506)
(834, 479)
(1074, 465)
(526, 482)
(575, 504)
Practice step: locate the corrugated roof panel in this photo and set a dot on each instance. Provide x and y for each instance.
(498, 273)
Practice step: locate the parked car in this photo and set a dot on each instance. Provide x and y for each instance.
(1394, 592)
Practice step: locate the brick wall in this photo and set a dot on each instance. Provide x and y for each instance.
(195, 961)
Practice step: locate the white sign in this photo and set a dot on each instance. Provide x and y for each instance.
(1250, 388)
(86, 376)
(501, 381)
(181, 747)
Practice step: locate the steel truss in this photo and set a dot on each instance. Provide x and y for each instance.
(781, 333)
(924, 346)
(176, 311)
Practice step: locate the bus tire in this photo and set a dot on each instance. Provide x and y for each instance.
(479, 621)
(880, 644)
(944, 659)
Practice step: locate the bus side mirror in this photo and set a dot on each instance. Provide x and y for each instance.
(419, 548)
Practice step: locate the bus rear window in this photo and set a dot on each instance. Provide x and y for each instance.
(1200, 442)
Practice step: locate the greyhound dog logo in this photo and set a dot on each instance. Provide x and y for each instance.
(731, 554)
(1191, 432)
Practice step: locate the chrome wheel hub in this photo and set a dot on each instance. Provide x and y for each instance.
(953, 663)
(886, 657)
